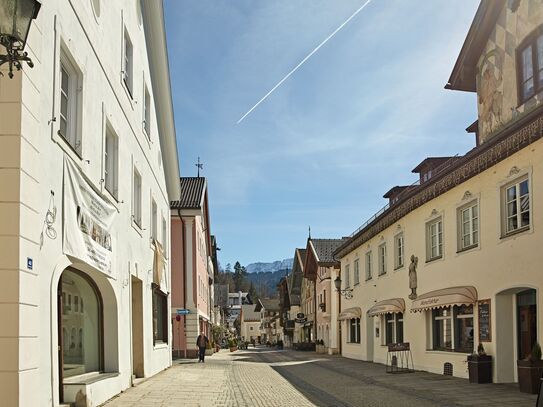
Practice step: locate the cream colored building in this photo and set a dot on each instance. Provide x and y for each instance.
(473, 222)
(250, 323)
(89, 165)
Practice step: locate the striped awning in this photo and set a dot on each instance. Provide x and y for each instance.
(390, 306)
(445, 297)
(350, 313)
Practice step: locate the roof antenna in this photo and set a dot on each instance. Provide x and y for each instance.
(199, 166)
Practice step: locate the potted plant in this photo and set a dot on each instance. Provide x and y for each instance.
(209, 348)
(480, 366)
(319, 346)
(530, 370)
(232, 344)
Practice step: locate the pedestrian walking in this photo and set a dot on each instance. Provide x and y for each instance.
(201, 342)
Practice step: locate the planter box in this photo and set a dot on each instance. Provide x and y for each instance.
(480, 368)
(233, 348)
(529, 373)
(320, 348)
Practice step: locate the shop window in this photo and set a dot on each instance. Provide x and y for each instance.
(81, 327)
(516, 206)
(452, 328)
(530, 65)
(398, 251)
(382, 259)
(354, 330)
(160, 315)
(393, 328)
(434, 239)
(468, 226)
(356, 272)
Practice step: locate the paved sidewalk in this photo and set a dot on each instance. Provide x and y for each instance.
(221, 381)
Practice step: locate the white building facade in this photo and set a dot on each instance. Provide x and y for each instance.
(89, 165)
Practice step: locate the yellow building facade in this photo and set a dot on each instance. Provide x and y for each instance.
(455, 260)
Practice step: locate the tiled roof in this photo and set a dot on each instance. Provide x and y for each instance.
(270, 304)
(249, 313)
(433, 162)
(192, 190)
(324, 248)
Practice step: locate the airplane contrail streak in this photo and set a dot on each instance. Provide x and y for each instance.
(303, 61)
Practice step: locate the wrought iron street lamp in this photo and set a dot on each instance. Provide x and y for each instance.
(15, 19)
(347, 293)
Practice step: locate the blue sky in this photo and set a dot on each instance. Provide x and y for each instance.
(351, 123)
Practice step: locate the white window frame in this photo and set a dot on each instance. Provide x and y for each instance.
(453, 316)
(394, 322)
(368, 264)
(434, 228)
(72, 117)
(356, 272)
(137, 198)
(165, 236)
(382, 253)
(517, 201)
(128, 63)
(146, 111)
(468, 229)
(347, 276)
(154, 221)
(399, 251)
(111, 162)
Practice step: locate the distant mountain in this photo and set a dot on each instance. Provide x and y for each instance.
(265, 282)
(270, 267)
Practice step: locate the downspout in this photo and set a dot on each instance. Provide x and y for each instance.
(315, 302)
(184, 282)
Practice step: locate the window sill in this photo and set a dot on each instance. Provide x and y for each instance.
(67, 147)
(515, 232)
(160, 345)
(447, 352)
(399, 267)
(137, 227)
(434, 259)
(89, 378)
(467, 249)
(381, 275)
(368, 279)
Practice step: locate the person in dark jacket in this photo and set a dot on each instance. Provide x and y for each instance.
(201, 342)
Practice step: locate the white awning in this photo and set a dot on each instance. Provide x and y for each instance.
(350, 313)
(390, 306)
(445, 297)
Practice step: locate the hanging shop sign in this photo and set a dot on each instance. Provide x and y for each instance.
(88, 219)
(485, 331)
(300, 318)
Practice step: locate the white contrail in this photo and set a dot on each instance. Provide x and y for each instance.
(303, 60)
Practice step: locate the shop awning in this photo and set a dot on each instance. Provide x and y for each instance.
(445, 297)
(350, 313)
(390, 306)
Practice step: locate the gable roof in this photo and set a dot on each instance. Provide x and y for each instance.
(249, 313)
(270, 304)
(295, 277)
(324, 249)
(192, 193)
(463, 76)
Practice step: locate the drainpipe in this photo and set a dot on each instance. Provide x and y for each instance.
(184, 283)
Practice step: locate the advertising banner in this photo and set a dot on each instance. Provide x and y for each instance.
(88, 219)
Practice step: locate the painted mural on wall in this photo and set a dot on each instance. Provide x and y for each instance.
(497, 97)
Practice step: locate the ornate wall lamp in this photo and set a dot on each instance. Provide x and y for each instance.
(347, 293)
(15, 19)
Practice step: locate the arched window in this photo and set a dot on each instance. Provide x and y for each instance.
(82, 328)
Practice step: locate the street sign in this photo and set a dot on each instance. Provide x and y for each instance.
(182, 311)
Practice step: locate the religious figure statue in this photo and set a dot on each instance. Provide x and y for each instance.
(413, 277)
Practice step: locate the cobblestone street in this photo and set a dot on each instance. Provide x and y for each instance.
(263, 377)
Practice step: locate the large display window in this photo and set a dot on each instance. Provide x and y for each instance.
(81, 320)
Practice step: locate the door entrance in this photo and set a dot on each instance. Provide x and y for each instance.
(137, 328)
(526, 322)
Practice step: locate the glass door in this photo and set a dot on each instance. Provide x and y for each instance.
(526, 322)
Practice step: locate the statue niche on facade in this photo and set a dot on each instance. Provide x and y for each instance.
(413, 277)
